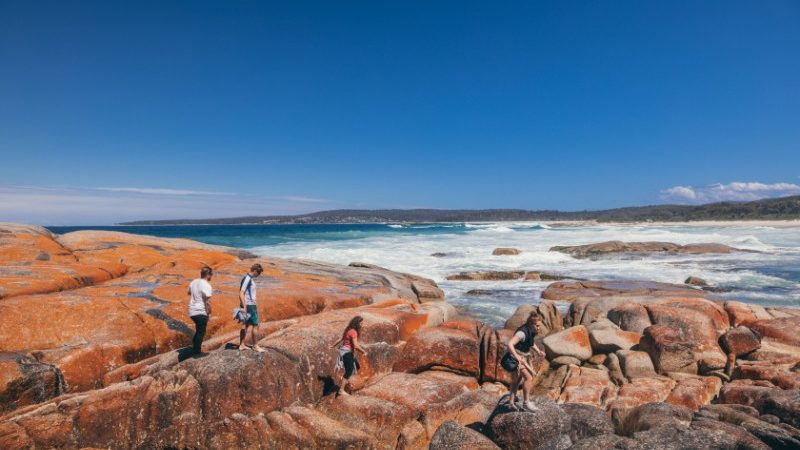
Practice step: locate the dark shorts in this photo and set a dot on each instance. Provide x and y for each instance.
(350, 364)
(252, 311)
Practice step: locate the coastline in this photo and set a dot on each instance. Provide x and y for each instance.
(779, 223)
(712, 223)
(619, 353)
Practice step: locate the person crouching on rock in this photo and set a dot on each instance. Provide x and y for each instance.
(247, 300)
(200, 306)
(518, 360)
(347, 359)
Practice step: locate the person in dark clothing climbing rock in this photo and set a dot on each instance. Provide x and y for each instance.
(518, 360)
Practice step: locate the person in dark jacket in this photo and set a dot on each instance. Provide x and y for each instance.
(518, 360)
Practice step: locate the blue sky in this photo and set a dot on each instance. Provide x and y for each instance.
(113, 111)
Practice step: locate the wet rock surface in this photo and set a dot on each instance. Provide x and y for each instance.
(611, 247)
(495, 275)
(500, 251)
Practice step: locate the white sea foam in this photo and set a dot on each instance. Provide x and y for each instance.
(751, 276)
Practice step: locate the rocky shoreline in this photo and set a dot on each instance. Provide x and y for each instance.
(631, 365)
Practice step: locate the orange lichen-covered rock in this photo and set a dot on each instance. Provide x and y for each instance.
(785, 376)
(33, 262)
(669, 351)
(740, 340)
(441, 347)
(694, 391)
(573, 341)
(630, 317)
(572, 290)
(716, 315)
(764, 397)
(204, 402)
(588, 386)
(636, 364)
(640, 391)
(606, 337)
(121, 298)
(784, 330)
(695, 322)
(743, 313)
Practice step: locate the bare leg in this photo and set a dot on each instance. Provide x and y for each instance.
(256, 347)
(526, 379)
(242, 341)
(342, 386)
(526, 392)
(512, 390)
(339, 382)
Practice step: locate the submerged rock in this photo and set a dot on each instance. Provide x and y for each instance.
(495, 275)
(695, 281)
(610, 247)
(505, 251)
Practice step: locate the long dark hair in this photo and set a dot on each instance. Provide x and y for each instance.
(355, 324)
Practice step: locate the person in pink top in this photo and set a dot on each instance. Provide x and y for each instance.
(347, 360)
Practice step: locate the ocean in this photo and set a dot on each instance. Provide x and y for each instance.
(770, 277)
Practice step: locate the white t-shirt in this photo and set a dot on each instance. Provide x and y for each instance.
(199, 291)
(249, 294)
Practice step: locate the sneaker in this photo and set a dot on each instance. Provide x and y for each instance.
(529, 406)
(258, 349)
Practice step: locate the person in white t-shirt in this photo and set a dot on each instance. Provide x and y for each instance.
(247, 300)
(200, 306)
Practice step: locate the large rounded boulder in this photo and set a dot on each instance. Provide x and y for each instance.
(547, 427)
(573, 341)
(452, 436)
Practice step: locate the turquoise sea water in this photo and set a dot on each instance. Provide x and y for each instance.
(770, 277)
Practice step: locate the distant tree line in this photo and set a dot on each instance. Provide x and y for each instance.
(771, 209)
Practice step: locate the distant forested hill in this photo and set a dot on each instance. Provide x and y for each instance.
(771, 209)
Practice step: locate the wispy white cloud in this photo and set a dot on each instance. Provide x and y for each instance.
(157, 191)
(295, 198)
(736, 191)
(50, 205)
